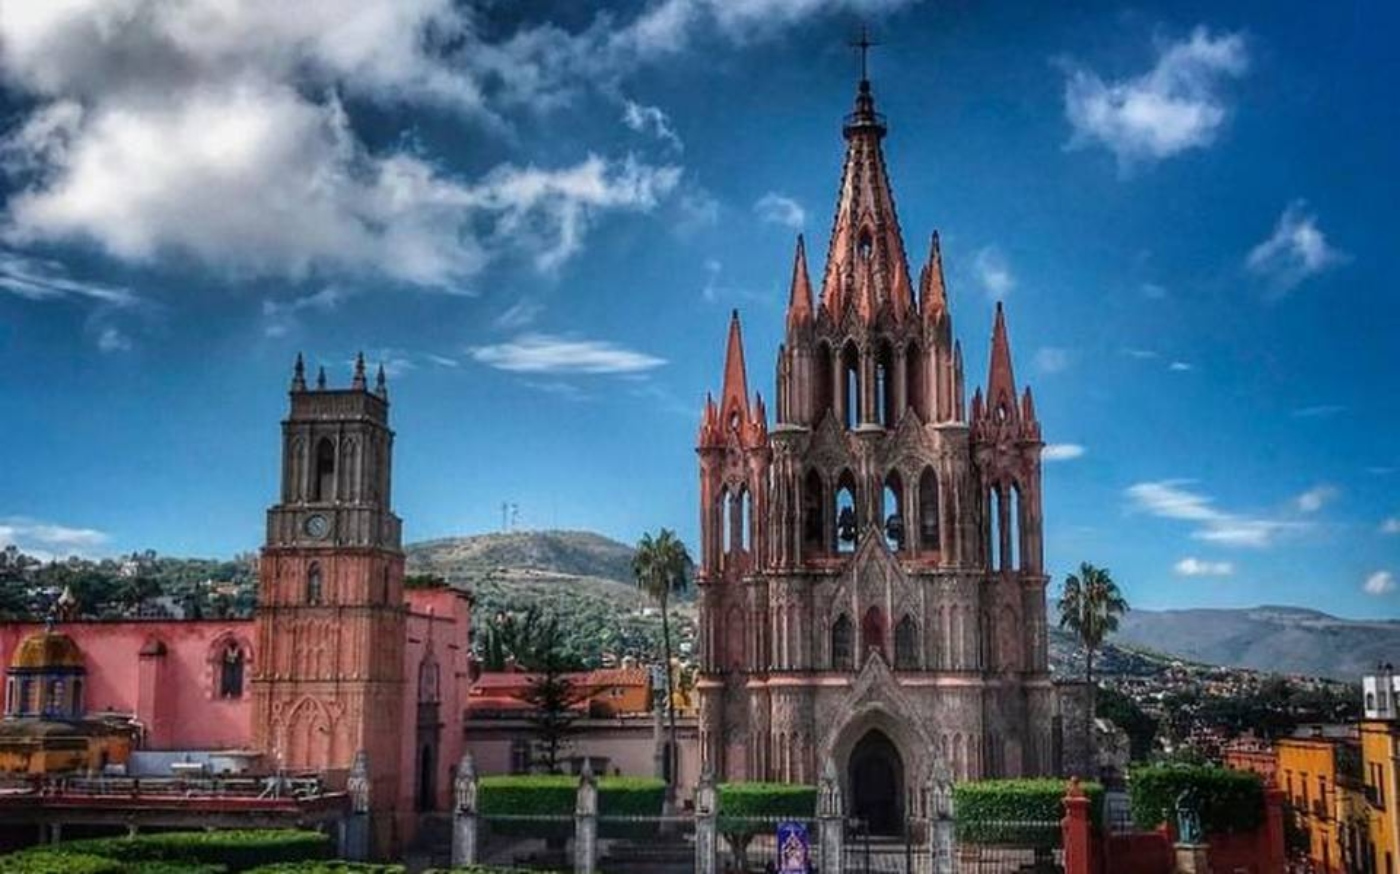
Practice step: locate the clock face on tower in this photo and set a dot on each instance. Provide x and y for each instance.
(316, 526)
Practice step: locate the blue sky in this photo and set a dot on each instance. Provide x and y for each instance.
(538, 215)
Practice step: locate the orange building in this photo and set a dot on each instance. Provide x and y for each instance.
(1253, 755)
(1321, 776)
(604, 693)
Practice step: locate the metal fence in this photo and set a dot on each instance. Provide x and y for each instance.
(534, 841)
(1012, 848)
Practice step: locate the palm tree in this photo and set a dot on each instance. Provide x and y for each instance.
(1090, 605)
(660, 566)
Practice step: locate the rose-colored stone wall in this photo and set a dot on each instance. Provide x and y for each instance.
(175, 694)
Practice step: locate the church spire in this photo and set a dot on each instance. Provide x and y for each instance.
(933, 296)
(299, 375)
(800, 296)
(359, 381)
(735, 396)
(1001, 382)
(866, 229)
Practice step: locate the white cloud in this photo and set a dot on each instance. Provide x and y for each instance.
(279, 317)
(545, 353)
(1296, 250)
(41, 279)
(1170, 499)
(1141, 354)
(1175, 106)
(650, 120)
(48, 540)
(1314, 498)
(149, 112)
(113, 340)
(519, 314)
(1179, 367)
(1195, 567)
(442, 360)
(778, 209)
(1050, 359)
(993, 272)
(1391, 525)
(1062, 452)
(1379, 583)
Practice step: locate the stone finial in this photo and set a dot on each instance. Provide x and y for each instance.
(706, 800)
(299, 374)
(829, 791)
(381, 388)
(464, 787)
(359, 381)
(357, 784)
(587, 803)
(321, 378)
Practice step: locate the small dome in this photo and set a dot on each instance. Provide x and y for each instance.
(47, 649)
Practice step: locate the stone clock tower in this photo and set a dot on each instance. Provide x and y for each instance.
(328, 681)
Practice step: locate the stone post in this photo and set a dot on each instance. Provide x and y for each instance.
(586, 822)
(464, 850)
(939, 801)
(831, 820)
(706, 826)
(355, 828)
(1076, 830)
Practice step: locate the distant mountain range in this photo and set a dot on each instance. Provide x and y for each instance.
(1289, 640)
(580, 572)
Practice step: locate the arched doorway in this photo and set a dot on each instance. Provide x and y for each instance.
(876, 779)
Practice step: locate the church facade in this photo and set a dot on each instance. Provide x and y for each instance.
(872, 588)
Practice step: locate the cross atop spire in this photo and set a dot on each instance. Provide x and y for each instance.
(864, 45)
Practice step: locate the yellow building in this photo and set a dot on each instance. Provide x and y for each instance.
(1380, 746)
(45, 729)
(1321, 774)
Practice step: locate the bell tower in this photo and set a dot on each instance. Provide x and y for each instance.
(328, 681)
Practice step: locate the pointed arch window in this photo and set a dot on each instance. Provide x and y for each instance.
(906, 645)
(823, 382)
(864, 246)
(928, 510)
(893, 512)
(429, 676)
(914, 380)
(231, 671)
(813, 502)
(850, 385)
(323, 480)
(844, 516)
(872, 632)
(842, 644)
(884, 387)
(314, 589)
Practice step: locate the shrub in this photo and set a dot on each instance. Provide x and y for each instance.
(202, 852)
(328, 867)
(172, 868)
(555, 795)
(1023, 813)
(1230, 801)
(745, 809)
(47, 861)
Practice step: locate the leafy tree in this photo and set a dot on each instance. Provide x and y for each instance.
(1125, 713)
(660, 566)
(1090, 605)
(552, 697)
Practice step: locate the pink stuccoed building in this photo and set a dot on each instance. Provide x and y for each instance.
(339, 658)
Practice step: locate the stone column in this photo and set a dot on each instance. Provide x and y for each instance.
(355, 829)
(831, 820)
(939, 803)
(706, 827)
(464, 849)
(586, 822)
(1078, 839)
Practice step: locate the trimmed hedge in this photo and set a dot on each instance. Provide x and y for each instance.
(190, 852)
(328, 867)
(555, 795)
(747, 808)
(1023, 813)
(1230, 801)
(49, 862)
